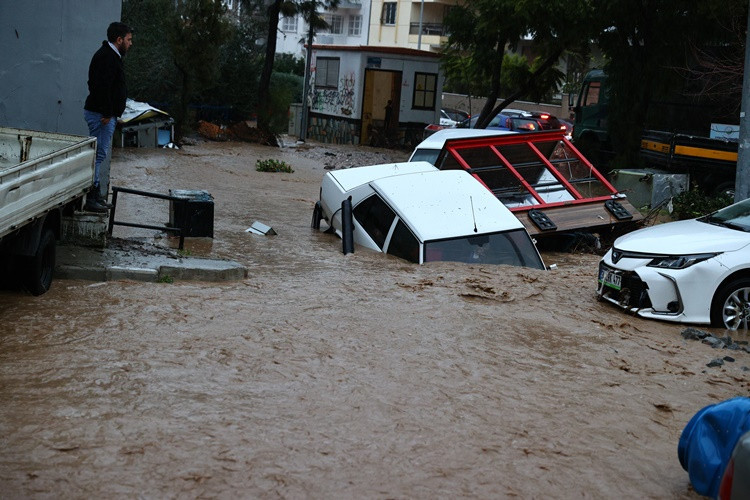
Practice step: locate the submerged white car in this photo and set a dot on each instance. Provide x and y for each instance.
(416, 212)
(692, 271)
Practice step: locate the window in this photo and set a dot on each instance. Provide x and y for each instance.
(335, 24)
(425, 87)
(289, 23)
(327, 72)
(355, 25)
(592, 94)
(403, 244)
(389, 13)
(375, 217)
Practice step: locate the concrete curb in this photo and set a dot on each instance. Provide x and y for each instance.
(93, 264)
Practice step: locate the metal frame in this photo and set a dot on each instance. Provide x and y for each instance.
(454, 147)
(112, 222)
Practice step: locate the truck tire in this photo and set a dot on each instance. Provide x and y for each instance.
(41, 265)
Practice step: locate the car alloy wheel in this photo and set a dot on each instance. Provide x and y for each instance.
(734, 303)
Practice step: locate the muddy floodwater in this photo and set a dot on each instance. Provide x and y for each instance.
(323, 375)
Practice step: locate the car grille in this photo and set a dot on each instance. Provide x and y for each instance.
(632, 294)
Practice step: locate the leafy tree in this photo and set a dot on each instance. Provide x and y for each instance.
(152, 76)
(289, 63)
(645, 42)
(482, 31)
(195, 36)
(309, 10)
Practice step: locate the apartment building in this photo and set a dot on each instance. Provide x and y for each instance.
(348, 25)
(411, 24)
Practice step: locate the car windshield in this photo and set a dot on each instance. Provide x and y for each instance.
(513, 248)
(735, 216)
(428, 155)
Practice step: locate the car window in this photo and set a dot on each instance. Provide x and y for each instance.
(403, 243)
(428, 155)
(513, 248)
(375, 217)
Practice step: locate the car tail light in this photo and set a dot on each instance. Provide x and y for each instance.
(545, 116)
(563, 127)
(434, 127)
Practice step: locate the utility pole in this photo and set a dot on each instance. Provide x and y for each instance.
(742, 181)
(421, 13)
(306, 87)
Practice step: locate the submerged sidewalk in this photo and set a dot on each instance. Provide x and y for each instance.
(137, 263)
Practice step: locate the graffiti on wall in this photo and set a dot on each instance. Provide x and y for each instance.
(336, 101)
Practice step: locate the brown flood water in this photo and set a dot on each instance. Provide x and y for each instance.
(330, 376)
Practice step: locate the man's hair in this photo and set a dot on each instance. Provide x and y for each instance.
(117, 30)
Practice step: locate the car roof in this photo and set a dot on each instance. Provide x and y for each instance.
(437, 140)
(350, 178)
(444, 204)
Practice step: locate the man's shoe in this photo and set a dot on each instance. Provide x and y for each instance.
(94, 206)
(104, 203)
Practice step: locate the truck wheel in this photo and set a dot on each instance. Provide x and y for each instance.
(41, 265)
(725, 189)
(730, 308)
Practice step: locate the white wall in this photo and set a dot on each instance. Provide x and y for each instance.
(44, 60)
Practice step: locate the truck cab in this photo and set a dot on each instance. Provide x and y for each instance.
(591, 129)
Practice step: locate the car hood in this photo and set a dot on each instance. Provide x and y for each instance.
(682, 238)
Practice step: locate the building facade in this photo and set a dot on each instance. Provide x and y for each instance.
(412, 24)
(348, 25)
(370, 95)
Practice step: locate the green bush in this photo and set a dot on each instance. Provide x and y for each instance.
(285, 89)
(272, 165)
(694, 203)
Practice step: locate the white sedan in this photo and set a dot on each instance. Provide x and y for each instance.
(692, 271)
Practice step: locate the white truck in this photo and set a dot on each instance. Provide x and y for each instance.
(43, 176)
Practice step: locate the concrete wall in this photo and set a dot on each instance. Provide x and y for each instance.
(46, 49)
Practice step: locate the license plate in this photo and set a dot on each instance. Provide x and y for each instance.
(609, 277)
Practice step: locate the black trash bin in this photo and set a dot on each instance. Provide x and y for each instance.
(195, 215)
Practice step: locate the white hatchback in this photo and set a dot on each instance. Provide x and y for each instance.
(691, 271)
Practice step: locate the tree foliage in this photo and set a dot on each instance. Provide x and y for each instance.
(482, 30)
(646, 43)
(310, 10)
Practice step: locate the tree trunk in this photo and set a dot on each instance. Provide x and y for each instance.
(487, 111)
(264, 105)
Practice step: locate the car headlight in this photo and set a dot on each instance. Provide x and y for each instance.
(680, 261)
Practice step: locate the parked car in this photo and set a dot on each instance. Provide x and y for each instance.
(692, 271)
(452, 117)
(501, 121)
(449, 118)
(416, 212)
(429, 149)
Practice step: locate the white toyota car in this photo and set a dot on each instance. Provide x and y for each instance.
(691, 271)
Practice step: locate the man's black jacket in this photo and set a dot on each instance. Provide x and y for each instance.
(107, 90)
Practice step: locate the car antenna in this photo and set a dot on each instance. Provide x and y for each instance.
(471, 199)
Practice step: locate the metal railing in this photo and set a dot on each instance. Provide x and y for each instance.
(428, 29)
(112, 222)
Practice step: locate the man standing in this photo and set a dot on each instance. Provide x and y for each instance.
(104, 104)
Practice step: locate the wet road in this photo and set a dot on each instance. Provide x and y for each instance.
(325, 375)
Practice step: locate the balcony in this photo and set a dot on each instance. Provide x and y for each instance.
(435, 29)
(350, 4)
